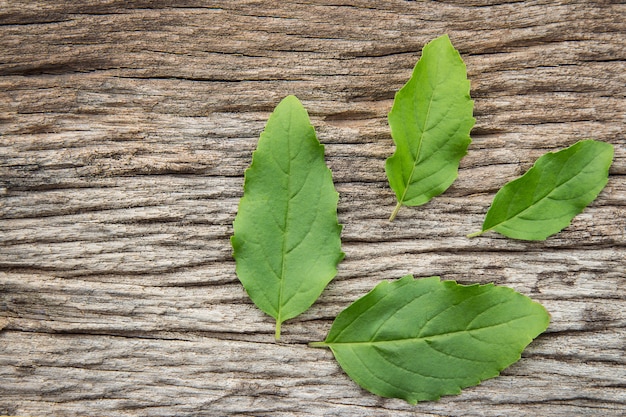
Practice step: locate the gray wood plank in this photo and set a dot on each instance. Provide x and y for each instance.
(125, 128)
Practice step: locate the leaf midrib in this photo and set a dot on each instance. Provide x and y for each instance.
(419, 146)
(426, 338)
(286, 230)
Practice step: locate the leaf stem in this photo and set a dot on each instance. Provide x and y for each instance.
(277, 332)
(318, 344)
(471, 235)
(395, 211)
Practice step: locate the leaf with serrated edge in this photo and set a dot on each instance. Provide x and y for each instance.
(286, 236)
(559, 186)
(430, 122)
(421, 339)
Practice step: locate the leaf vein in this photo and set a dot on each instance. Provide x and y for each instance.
(310, 225)
(431, 346)
(277, 163)
(372, 373)
(420, 334)
(396, 311)
(411, 371)
(355, 319)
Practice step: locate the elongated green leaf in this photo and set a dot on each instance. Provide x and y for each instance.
(544, 201)
(286, 241)
(430, 122)
(421, 339)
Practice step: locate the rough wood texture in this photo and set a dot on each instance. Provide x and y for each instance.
(126, 128)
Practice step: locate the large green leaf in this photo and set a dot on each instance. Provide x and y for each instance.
(420, 339)
(286, 241)
(430, 122)
(544, 201)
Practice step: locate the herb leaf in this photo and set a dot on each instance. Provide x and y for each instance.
(430, 122)
(544, 201)
(420, 339)
(286, 235)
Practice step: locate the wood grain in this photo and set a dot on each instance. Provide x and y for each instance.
(125, 130)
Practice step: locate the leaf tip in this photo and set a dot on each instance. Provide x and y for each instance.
(291, 98)
(292, 103)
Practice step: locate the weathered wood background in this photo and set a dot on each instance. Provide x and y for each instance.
(126, 128)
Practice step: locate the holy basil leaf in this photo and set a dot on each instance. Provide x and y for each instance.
(430, 122)
(286, 241)
(544, 201)
(421, 339)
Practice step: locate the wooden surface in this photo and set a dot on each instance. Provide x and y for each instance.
(126, 128)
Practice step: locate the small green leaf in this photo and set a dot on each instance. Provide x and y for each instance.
(430, 122)
(544, 201)
(286, 241)
(421, 339)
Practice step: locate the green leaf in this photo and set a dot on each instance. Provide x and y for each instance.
(421, 339)
(544, 201)
(286, 241)
(430, 122)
